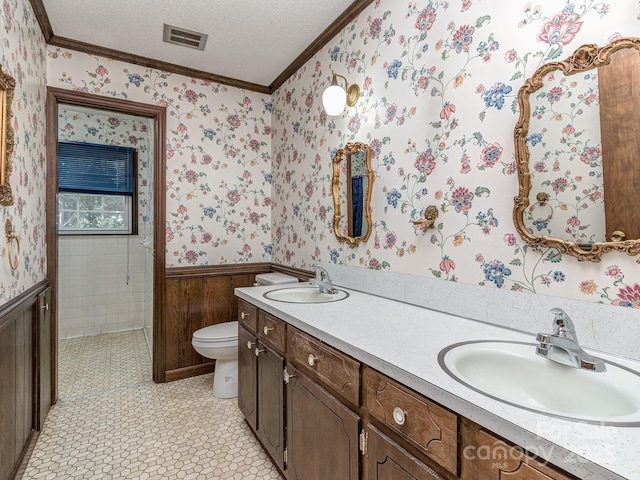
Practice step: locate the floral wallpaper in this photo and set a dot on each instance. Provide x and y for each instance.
(23, 57)
(103, 128)
(439, 81)
(249, 175)
(218, 155)
(565, 150)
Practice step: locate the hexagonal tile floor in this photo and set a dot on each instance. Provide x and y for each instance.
(143, 430)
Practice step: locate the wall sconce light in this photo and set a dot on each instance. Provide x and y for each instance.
(335, 97)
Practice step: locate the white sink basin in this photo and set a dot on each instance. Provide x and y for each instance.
(512, 373)
(304, 294)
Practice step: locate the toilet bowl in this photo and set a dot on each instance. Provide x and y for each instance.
(220, 343)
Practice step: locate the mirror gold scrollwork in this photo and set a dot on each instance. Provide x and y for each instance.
(352, 186)
(577, 155)
(7, 85)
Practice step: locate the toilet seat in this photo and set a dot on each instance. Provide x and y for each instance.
(222, 332)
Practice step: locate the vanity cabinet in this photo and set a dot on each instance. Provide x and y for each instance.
(385, 459)
(489, 457)
(427, 426)
(322, 433)
(248, 376)
(326, 415)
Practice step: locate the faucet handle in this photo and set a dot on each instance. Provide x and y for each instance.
(562, 325)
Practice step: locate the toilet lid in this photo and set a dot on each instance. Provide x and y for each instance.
(220, 332)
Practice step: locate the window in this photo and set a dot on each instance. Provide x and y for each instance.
(96, 189)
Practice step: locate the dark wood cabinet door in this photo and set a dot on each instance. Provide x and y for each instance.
(46, 365)
(386, 460)
(322, 433)
(271, 406)
(248, 377)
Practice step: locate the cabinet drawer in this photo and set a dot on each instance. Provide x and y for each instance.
(335, 369)
(272, 331)
(499, 459)
(248, 316)
(427, 426)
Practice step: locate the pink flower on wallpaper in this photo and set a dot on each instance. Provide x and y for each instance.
(233, 196)
(510, 239)
(425, 19)
(425, 162)
(375, 27)
(561, 29)
(190, 96)
(461, 199)
(234, 121)
(390, 239)
(568, 130)
(628, 297)
(588, 287)
(613, 271)
(591, 154)
(491, 154)
(573, 221)
(447, 265)
(191, 257)
(559, 184)
(448, 109)
(101, 70)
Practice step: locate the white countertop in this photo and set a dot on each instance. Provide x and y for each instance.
(403, 342)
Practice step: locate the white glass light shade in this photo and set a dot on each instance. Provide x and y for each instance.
(334, 99)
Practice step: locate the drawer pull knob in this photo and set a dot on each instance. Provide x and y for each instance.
(288, 376)
(311, 360)
(250, 344)
(44, 307)
(399, 415)
(244, 315)
(266, 330)
(258, 352)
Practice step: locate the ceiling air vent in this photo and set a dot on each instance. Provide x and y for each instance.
(184, 37)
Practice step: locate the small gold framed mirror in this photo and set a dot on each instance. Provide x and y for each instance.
(352, 186)
(7, 85)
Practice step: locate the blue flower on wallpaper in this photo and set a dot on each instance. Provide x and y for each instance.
(392, 197)
(268, 177)
(558, 276)
(92, 131)
(534, 139)
(494, 97)
(334, 53)
(296, 127)
(208, 211)
(209, 133)
(296, 210)
(334, 255)
(540, 224)
(392, 70)
(495, 272)
(268, 106)
(268, 249)
(26, 138)
(135, 79)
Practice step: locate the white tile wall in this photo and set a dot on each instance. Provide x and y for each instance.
(94, 295)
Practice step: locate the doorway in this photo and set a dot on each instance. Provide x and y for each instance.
(153, 243)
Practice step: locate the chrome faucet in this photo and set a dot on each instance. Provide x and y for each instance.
(323, 281)
(562, 345)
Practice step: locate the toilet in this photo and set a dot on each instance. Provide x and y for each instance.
(220, 343)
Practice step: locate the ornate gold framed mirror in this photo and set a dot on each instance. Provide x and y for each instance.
(576, 153)
(7, 85)
(352, 186)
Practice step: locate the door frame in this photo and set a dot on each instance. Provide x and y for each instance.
(158, 115)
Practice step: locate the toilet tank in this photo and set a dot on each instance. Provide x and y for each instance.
(274, 278)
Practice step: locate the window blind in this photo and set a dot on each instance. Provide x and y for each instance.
(97, 169)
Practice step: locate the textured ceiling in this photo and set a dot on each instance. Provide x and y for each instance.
(249, 40)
